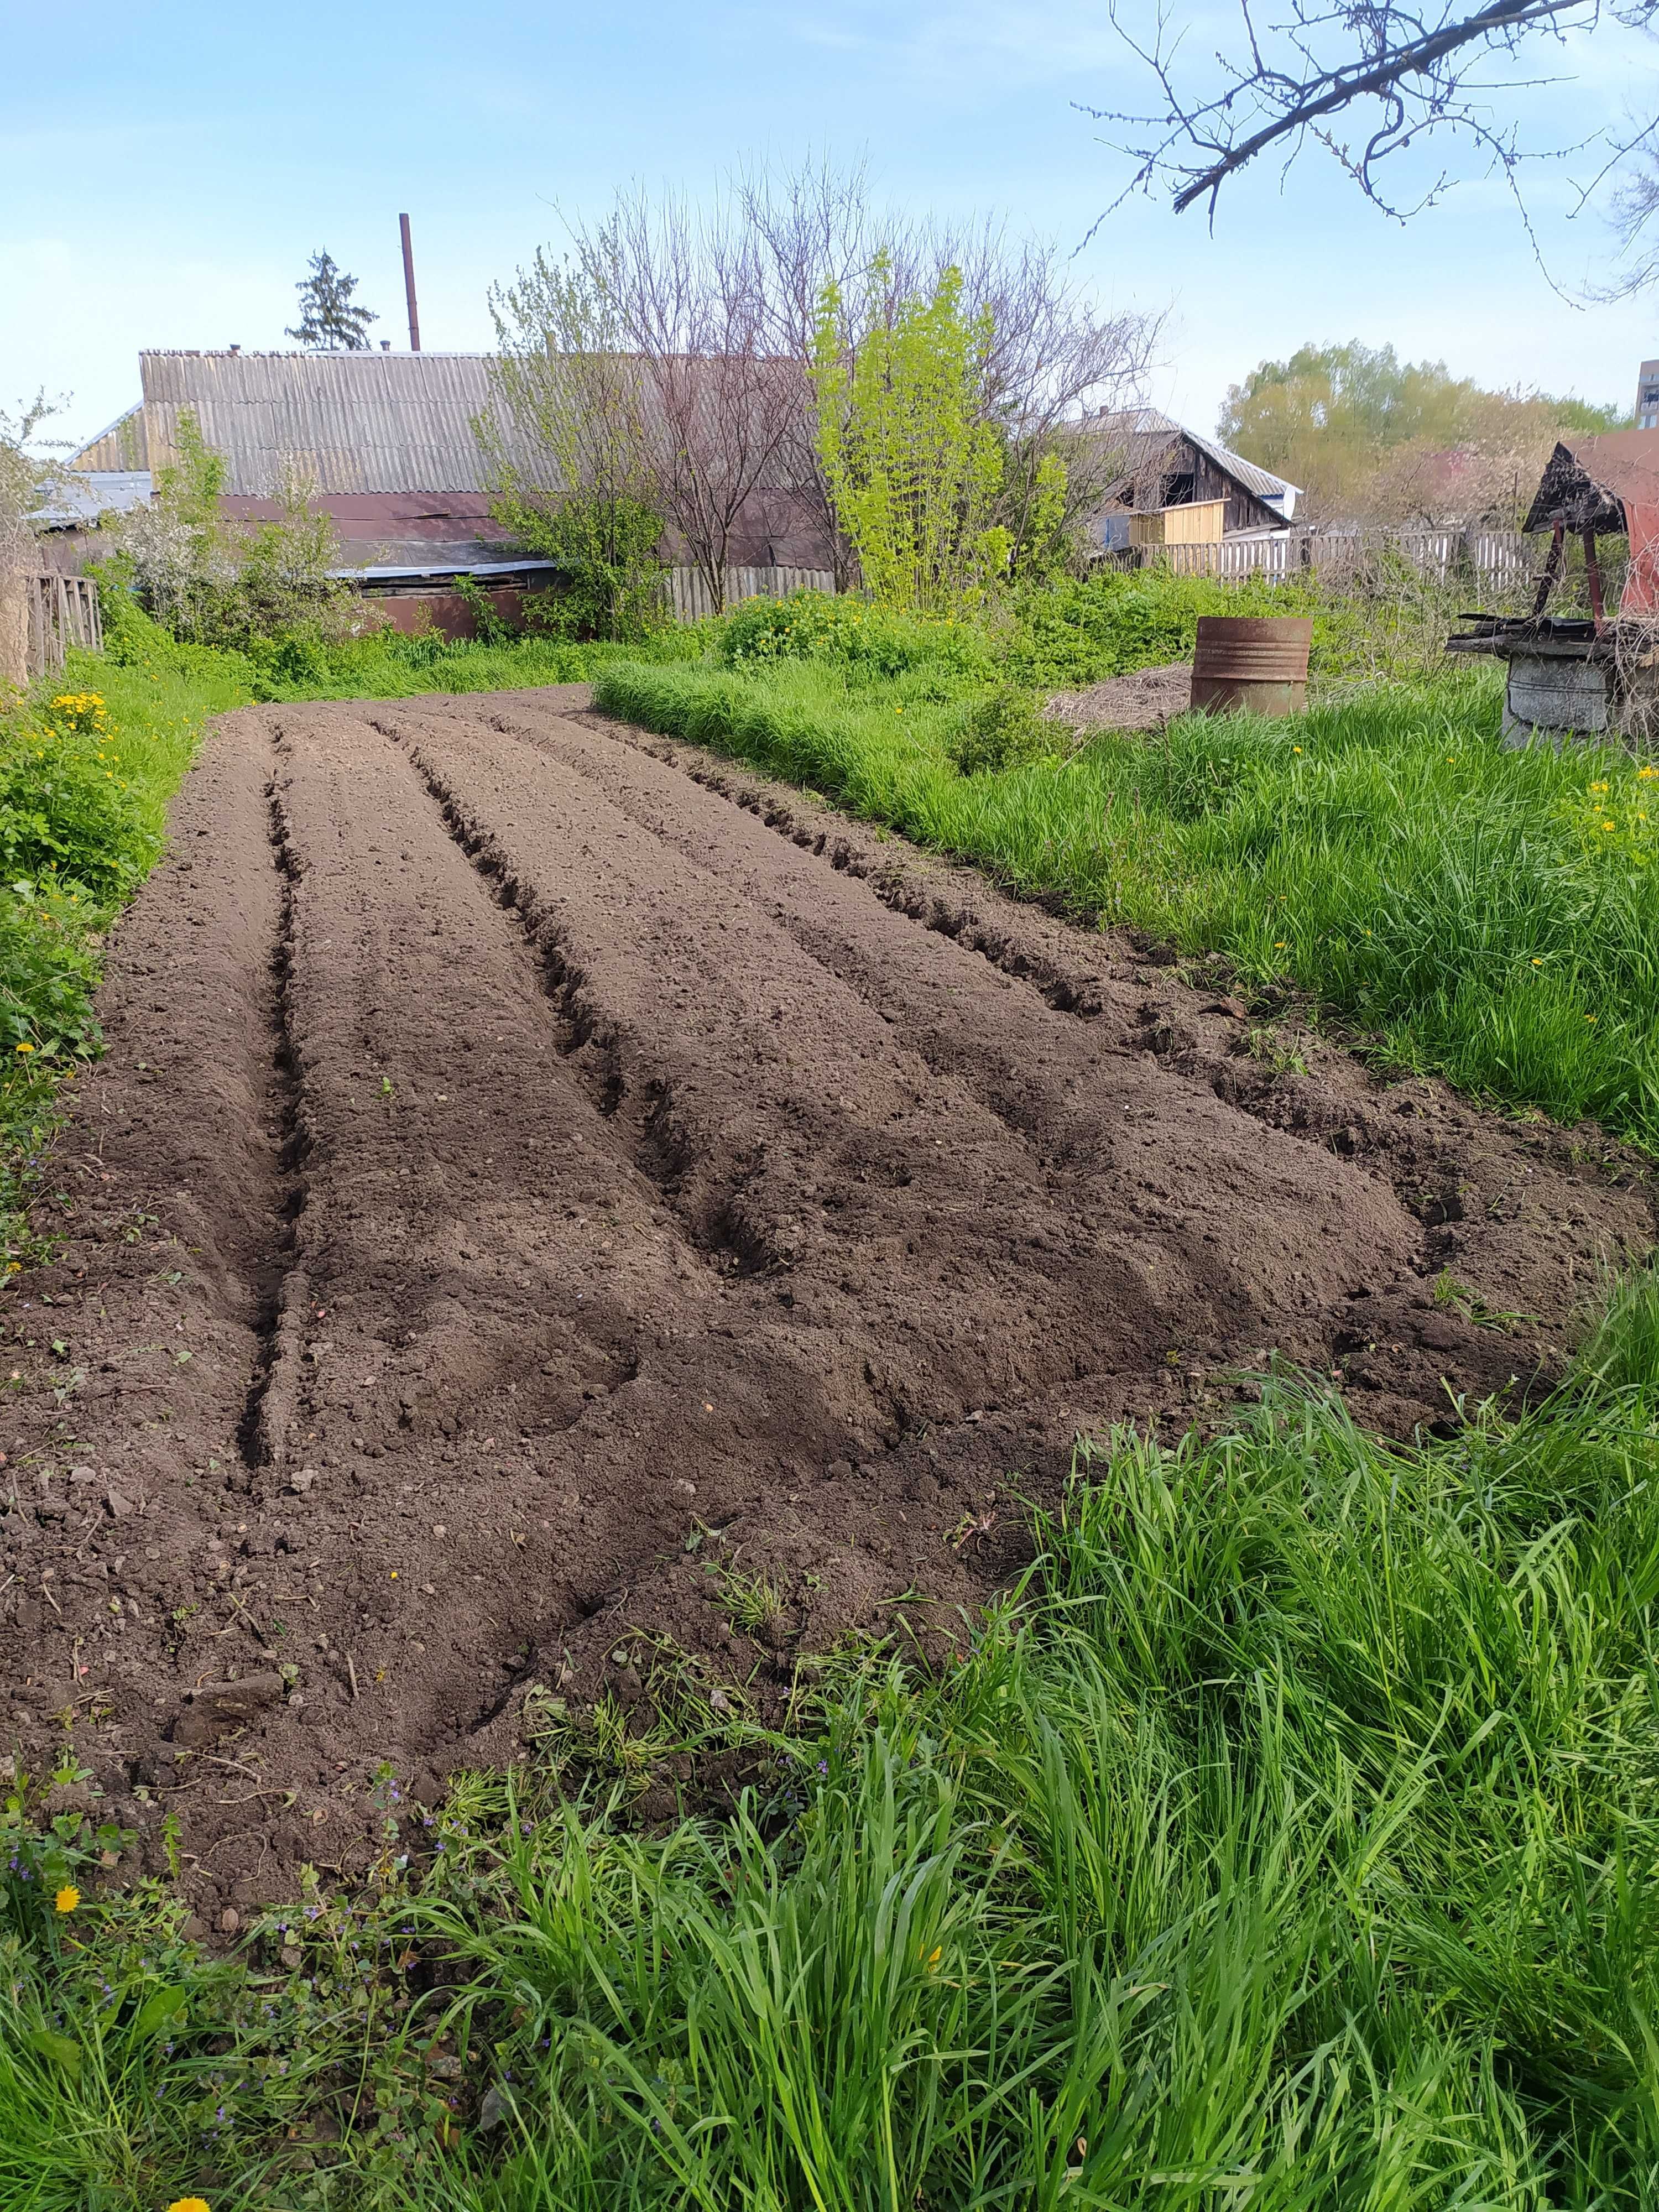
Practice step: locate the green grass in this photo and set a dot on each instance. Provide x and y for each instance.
(1462, 905)
(1289, 1840)
(387, 665)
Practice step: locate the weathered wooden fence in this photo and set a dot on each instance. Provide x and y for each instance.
(1495, 561)
(692, 599)
(61, 612)
(1499, 560)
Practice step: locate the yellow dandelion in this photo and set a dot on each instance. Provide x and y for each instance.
(1537, 964)
(189, 2204)
(1279, 944)
(26, 1048)
(67, 1898)
(1295, 749)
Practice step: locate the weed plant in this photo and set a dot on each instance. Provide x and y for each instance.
(1483, 914)
(1288, 1840)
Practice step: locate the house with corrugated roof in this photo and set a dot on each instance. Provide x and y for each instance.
(386, 443)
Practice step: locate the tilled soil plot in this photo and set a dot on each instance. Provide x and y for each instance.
(551, 1199)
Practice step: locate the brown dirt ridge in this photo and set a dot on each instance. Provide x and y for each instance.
(544, 1183)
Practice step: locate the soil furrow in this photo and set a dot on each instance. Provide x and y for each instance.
(279, 1297)
(1256, 1240)
(530, 1187)
(123, 1461)
(1524, 1203)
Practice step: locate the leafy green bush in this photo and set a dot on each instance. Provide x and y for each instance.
(849, 632)
(998, 732)
(1116, 620)
(610, 575)
(210, 580)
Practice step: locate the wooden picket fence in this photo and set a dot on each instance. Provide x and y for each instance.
(693, 601)
(1499, 562)
(1496, 561)
(62, 612)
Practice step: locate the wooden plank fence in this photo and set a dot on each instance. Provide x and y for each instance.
(1499, 560)
(1496, 561)
(62, 612)
(693, 600)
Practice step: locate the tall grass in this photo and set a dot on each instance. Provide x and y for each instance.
(1484, 914)
(1290, 1840)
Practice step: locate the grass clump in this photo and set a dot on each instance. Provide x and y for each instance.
(387, 664)
(1000, 731)
(1288, 1839)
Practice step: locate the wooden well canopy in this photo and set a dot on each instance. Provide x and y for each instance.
(1601, 486)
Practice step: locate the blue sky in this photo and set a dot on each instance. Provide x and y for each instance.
(165, 172)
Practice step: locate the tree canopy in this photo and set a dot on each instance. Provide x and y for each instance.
(1366, 433)
(329, 323)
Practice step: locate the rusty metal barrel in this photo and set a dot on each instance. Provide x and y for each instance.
(1258, 663)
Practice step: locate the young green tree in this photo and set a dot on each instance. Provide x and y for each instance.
(329, 323)
(914, 468)
(566, 446)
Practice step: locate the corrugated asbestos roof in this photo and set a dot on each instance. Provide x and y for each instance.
(119, 447)
(348, 422)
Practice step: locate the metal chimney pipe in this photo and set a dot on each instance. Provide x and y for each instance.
(408, 287)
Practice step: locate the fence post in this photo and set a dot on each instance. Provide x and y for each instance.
(15, 592)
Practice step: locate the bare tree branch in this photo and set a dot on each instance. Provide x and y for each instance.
(1369, 80)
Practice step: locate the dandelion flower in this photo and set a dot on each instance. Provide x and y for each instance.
(26, 1048)
(189, 2204)
(67, 1898)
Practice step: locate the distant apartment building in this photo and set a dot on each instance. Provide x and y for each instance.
(1647, 397)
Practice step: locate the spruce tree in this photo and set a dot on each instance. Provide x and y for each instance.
(328, 321)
